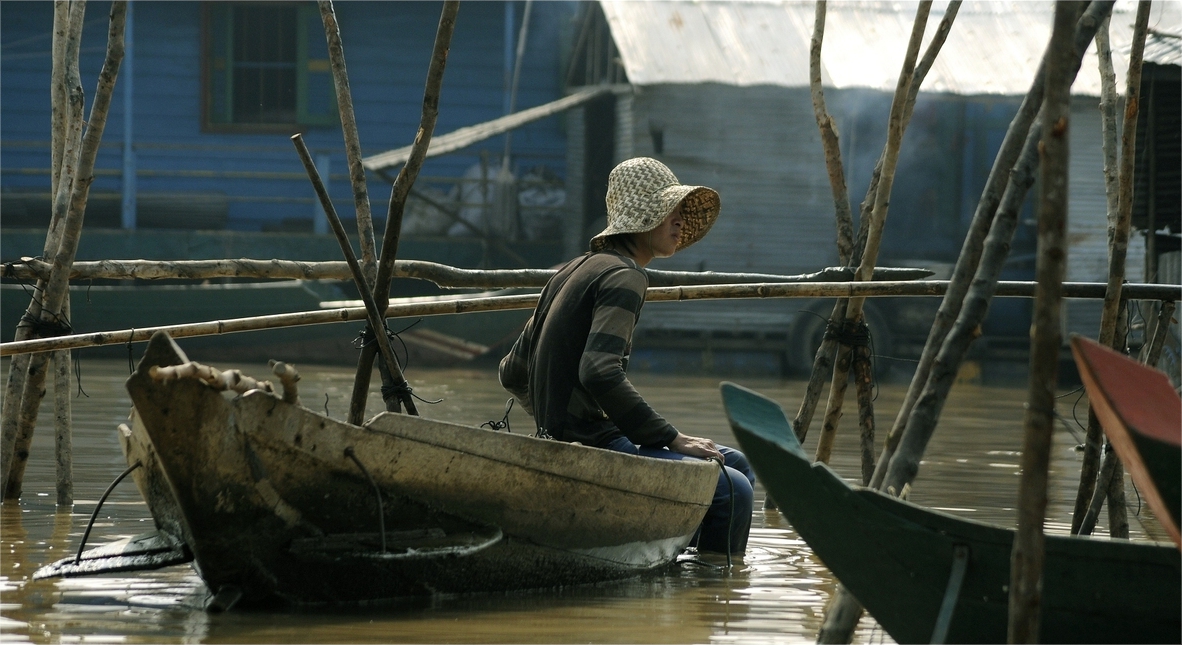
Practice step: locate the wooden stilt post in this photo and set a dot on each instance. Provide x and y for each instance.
(66, 94)
(912, 440)
(1120, 209)
(853, 314)
(844, 611)
(830, 142)
(934, 377)
(966, 263)
(823, 362)
(57, 286)
(1026, 560)
(374, 315)
(398, 195)
(336, 55)
(1151, 352)
(63, 432)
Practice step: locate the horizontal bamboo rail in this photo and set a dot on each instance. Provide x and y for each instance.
(1088, 290)
(441, 274)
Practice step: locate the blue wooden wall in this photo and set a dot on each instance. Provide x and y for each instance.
(387, 47)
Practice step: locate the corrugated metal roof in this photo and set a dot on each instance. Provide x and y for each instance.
(1163, 48)
(993, 48)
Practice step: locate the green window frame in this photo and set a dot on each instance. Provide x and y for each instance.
(249, 89)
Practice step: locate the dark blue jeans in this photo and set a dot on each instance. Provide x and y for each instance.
(721, 527)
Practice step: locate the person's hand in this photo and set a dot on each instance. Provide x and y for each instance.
(695, 447)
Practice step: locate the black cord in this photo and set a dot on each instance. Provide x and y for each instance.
(99, 506)
(504, 422)
(365, 337)
(78, 376)
(730, 519)
(352, 454)
(130, 363)
(398, 390)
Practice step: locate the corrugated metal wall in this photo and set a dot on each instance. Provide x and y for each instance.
(759, 148)
(1087, 255)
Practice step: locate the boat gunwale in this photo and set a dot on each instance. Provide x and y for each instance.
(535, 466)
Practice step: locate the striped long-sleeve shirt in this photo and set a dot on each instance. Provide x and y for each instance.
(568, 366)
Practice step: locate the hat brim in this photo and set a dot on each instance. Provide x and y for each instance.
(700, 208)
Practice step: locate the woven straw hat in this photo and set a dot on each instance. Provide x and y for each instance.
(642, 191)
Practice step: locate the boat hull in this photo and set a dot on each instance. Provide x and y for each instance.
(1142, 416)
(275, 507)
(897, 557)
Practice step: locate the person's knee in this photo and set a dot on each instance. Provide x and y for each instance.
(740, 489)
(738, 461)
(728, 521)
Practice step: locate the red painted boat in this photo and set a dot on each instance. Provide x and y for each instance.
(1142, 415)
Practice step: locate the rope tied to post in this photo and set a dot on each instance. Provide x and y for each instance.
(851, 333)
(366, 337)
(59, 326)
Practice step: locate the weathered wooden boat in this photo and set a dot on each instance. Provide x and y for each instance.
(1142, 416)
(927, 576)
(281, 505)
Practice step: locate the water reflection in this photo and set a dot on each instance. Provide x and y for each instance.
(776, 593)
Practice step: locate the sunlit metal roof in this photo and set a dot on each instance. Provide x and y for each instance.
(993, 48)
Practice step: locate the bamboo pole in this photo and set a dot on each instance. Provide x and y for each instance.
(63, 440)
(398, 194)
(57, 89)
(1107, 475)
(1119, 221)
(861, 359)
(853, 313)
(823, 362)
(1110, 485)
(57, 287)
(1118, 512)
(1151, 351)
(394, 398)
(1083, 290)
(1028, 554)
(67, 108)
(356, 173)
(66, 78)
(967, 260)
(1128, 147)
(340, 79)
(441, 275)
(910, 440)
(1089, 497)
(830, 142)
(67, 124)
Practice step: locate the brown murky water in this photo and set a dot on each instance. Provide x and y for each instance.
(776, 593)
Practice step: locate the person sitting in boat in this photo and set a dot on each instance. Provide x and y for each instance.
(567, 368)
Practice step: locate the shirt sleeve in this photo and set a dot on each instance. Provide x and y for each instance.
(601, 370)
(514, 369)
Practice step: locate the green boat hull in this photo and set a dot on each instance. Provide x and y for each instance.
(897, 557)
